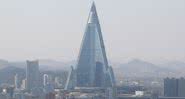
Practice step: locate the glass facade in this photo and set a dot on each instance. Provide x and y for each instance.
(92, 68)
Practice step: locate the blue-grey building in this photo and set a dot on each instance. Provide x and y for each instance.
(174, 87)
(181, 87)
(32, 75)
(170, 87)
(92, 69)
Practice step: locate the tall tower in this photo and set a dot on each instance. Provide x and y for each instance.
(17, 81)
(32, 75)
(92, 69)
(171, 87)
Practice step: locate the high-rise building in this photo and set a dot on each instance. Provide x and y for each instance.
(17, 81)
(32, 75)
(181, 87)
(92, 68)
(174, 87)
(170, 87)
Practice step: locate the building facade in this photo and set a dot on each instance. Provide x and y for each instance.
(181, 87)
(32, 75)
(174, 87)
(92, 69)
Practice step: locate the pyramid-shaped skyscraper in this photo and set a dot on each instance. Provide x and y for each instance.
(92, 69)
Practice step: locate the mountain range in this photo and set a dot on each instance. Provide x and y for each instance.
(139, 68)
(133, 68)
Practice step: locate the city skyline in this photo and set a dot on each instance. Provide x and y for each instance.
(127, 49)
(142, 28)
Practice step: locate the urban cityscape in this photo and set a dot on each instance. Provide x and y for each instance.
(92, 75)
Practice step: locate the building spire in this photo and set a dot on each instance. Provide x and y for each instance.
(93, 7)
(93, 14)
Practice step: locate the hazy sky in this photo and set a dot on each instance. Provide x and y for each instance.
(53, 29)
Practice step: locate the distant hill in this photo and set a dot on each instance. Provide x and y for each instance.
(3, 64)
(45, 65)
(7, 74)
(133, 68)
(139, 68)
(53, 65)
(177, 66)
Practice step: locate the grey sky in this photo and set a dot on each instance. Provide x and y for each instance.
(146, 29)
